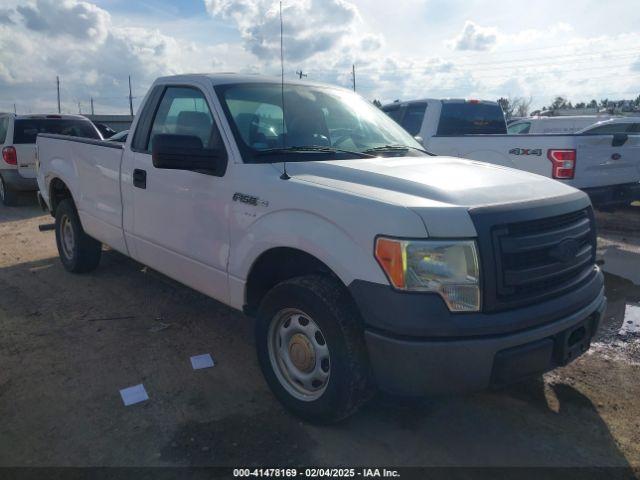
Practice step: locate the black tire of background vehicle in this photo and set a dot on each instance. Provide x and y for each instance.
(86, 250)
(9, 197)
(329, 304)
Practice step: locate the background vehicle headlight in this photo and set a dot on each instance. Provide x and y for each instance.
(447, 267)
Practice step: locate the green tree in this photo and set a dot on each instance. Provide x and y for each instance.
(560, 102)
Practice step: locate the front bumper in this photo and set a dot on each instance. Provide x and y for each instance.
(614, 194)
(15, 181)
(464, 363)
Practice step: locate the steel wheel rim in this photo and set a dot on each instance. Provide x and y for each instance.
(67, 240)
(299, 354)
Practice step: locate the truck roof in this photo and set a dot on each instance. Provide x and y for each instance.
(443, 100)
(52, 116)
(230, 77)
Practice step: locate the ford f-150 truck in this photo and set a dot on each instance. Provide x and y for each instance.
(366, 261)
(607, 167)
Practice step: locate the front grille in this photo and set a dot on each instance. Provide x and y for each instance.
(541, 258)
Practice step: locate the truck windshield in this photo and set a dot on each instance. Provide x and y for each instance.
(26, 130)
(329, 122)
(471, 118)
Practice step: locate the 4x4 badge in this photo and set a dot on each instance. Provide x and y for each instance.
(526, 151)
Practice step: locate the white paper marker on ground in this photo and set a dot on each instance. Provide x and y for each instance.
(201, 361)
(135, 394)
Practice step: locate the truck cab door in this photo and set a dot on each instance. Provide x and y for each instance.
(178, 219)
(604, 160)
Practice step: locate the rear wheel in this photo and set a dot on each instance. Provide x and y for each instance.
(78, 252)
(311, 348)
(8, 196)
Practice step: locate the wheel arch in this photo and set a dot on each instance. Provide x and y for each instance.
(276, 265)
(58, 191)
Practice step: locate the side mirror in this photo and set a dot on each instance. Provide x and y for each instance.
(185, 152)
(619, 139)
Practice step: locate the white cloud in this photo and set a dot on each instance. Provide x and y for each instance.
(93, 57)
(94, 51)
(475, 37)
(81, 20)
(311, 27)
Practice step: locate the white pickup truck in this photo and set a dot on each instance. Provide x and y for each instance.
(607, 167)
(366, 261)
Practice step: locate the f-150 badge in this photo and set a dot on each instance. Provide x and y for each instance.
(526, 151)
(249, 200)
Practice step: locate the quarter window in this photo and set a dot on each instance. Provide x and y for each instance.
(413, 116)
(394, 111)
(516, 128)
(4, 123)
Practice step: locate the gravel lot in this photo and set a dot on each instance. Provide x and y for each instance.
(70, 343)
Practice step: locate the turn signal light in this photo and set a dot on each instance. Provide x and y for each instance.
(389, 254)
(10, 156)
(563, 163)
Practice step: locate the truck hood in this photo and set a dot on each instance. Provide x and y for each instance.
(446, 180)
(429, 184)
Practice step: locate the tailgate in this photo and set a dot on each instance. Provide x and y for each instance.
(600, 164)
(26, 153)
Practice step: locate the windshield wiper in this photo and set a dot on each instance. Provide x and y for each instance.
(396, 148)
(310, 149)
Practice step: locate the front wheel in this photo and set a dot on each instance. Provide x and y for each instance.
(311, 348)
(78, 252)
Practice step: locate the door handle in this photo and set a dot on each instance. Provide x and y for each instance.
(140, 178)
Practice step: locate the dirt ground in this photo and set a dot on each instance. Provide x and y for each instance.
(69, 343)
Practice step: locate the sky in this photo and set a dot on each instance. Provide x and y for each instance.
(402, 49)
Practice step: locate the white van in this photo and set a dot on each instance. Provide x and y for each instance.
(554, 124)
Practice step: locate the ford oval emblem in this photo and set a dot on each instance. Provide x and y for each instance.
(616, 156)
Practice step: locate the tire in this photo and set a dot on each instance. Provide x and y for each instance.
(82, 253)
(8, 196)
(322, 302)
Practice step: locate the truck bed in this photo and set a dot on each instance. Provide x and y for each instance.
(96, 187)
(598, 163)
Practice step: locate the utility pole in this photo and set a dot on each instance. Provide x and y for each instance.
(353, 74)
(92, 112)
(79, 108)
(300, 74)
(130, 98)
(58, 85)
(14, 109)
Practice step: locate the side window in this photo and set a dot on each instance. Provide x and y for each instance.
(184, 111)
(519, 128)
(635, 128)
(4, 123)
(413, 116)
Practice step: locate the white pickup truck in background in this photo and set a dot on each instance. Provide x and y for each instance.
(607, 166)
(366, 261)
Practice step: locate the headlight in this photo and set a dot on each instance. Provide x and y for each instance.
(447, 267)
